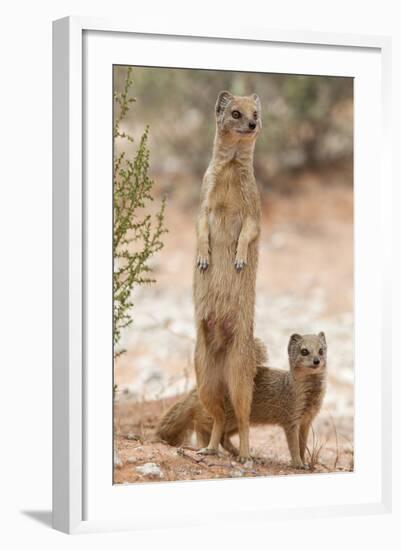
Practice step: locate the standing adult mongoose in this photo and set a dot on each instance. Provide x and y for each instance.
(290, 399)
(224, 282)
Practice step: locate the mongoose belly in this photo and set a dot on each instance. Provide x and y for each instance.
(223, 293)
(271, 402)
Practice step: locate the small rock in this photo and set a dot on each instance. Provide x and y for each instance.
(117, 460)
(132, 460)
(237, 473)
(133, 437)
(150, 469)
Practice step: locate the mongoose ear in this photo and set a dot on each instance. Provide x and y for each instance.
(223, 100)
(322, 337)
(256, 98)
(294, 339)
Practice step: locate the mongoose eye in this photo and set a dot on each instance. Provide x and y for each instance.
(321, 351)
(255, 115)
(236, 114)
(304, 351)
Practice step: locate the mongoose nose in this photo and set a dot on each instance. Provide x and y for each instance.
(252, 125)
(316, 361)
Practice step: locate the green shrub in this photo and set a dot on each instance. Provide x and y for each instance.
(137, 234)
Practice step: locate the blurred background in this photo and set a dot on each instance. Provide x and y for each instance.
(304, 170)
(308, 124)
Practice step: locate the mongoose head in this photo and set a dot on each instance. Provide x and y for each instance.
(307, 353)
(238, 117)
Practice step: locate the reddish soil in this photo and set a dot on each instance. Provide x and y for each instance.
(135, 423)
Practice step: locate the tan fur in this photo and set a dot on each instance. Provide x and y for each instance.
(224, 281)
(290, 399)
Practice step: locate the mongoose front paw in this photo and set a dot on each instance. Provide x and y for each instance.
(207, 451)
(298, 464)
(246, 460)
(239, 264)
(202, 263)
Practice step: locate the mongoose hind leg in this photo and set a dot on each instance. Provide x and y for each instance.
(215, 438)
(202, 437)
(206, 451)
(212, 396)
(240, 387)
(228, 446)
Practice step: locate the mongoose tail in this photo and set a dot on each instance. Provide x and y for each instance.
(189, 415)
(178, 420)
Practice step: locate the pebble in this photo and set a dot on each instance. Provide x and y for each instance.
(117, 460)
(150, 469)
(133, 437)
(237, 473)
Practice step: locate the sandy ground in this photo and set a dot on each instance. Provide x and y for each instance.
(304, 285)
(329, 449)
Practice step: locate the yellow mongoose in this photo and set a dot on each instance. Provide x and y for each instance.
(224, 282)
(290, 399)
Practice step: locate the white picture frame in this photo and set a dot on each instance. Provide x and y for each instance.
(83, 49)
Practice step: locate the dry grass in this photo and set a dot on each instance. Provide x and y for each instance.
(314, 451)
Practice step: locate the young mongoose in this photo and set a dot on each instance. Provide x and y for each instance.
(290, 399)
(224, 281)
